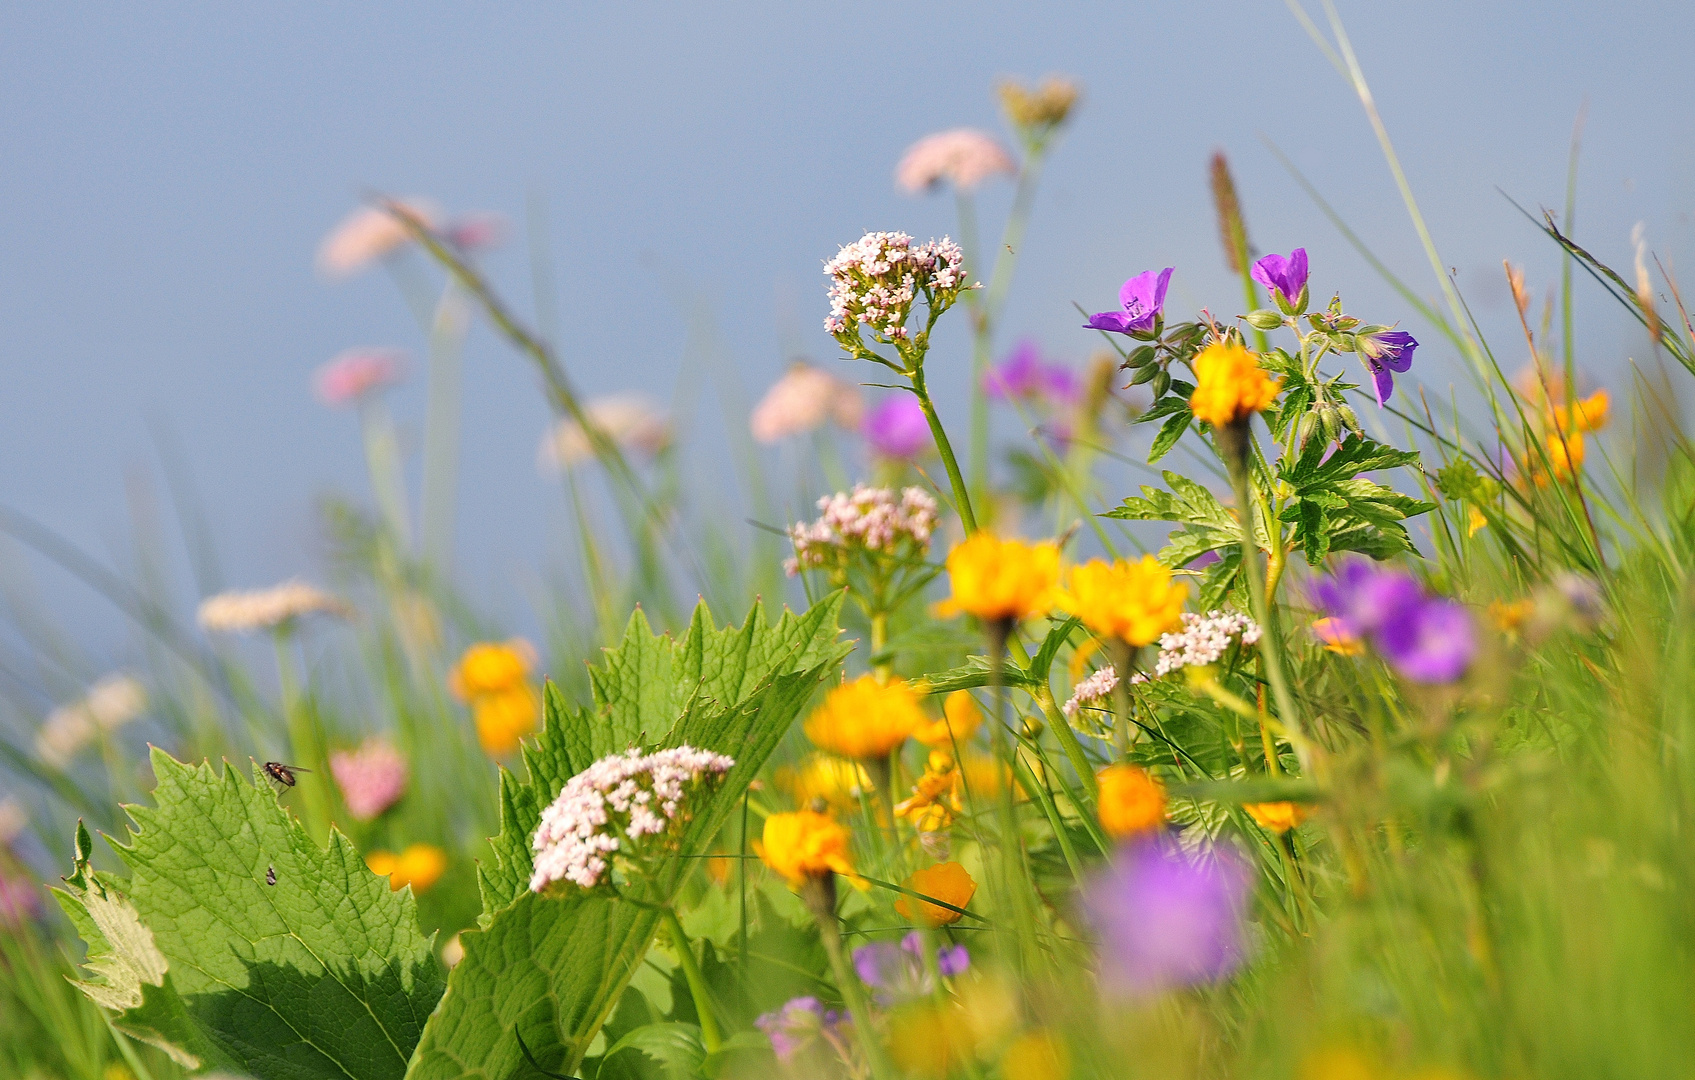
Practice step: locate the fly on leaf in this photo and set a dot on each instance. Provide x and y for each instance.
(270, 875)
(283, 774)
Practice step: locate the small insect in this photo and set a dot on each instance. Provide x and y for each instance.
(283, 774)
(270, 875)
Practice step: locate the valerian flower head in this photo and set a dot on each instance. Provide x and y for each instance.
(1285, 279)
(368, 234)
(964, 156)
(1203, 639)
(1386, 352)
(109, 704)
(1143, 301)
(633, 422)
(802, 400)
(614, 806)
(866, 521)
(875, 280)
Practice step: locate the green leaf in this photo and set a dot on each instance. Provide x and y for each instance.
(1172, 430)
(324, 974)
(1311, 532)
(975, 673)
(554, 968)
(676, 1046)
(1042, 662)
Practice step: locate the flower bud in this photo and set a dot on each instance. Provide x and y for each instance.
(1349, 420)
(1146, 373)
(1264, 319)
(1331, 420)
(1162, 383)
(1308, 425)
(1141, 356)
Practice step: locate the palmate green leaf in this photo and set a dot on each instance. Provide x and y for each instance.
(324, 974)
(549, 970)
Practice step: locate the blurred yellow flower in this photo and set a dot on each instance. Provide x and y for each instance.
(823, 776)
(418, 866)
(947, 882)
(1565, 453)
(865, 718)
(1474, 520)
(1044, 106)
(1337, 1063)
(1509, 616)
(930, 1041)
(1277, 817)
(1229, 384)
(804, 845)
(997, 579)
(960, 720)
(1036, 1055)
(494, 678)
(1131, 801)
(1135, 602)
(505, 717)
(1589, 414)
(935, 795)
(1336, 637)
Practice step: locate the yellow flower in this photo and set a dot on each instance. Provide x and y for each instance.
(1131, 801)
(418, 866)
(1335, 636)
(1474, 520)
(1229, 384)
(1590, 414)
(960, 720)
(1278, 817)
(931, 1041)
(1510, 616)
(1036, 1055)
(1565, 457)
(935, 795)
(864, 718)
(997, 579)
(822, 776)
(947, 882)
(804, 845)
(504, 717)
(490, 667)
(1133, 601)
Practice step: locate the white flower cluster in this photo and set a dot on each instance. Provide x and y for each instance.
(109, 704)
(875, 279)
(867, 517)
(1203, 639)
(632, 794)
(1097, 687)
(262, 609)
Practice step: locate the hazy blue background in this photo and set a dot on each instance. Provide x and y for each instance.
(168, 170)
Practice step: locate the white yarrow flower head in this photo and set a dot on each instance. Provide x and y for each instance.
(108, 705)
(267, 609)
(875, 280)
(1203, 639)
(631, 806)
(867, 521)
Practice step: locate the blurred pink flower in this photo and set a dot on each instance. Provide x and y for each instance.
(965, 156)
(357, 372)
(802, 400)
(480, 230)
(631, 421)
(372, 778)
(20, 900)
(897, 427)
(366, 235)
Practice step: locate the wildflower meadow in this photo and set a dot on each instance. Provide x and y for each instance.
(1356, 741)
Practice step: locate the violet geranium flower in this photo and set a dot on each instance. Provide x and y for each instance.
(1024, 374)
(1428, 639)
(896, 428)
(1285, 276)
(1385, 353)
(896, 972)
(1143, 300)
(1168, 919)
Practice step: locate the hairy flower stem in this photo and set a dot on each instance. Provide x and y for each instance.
(961, 496)
(819, 895)
(709, 1035)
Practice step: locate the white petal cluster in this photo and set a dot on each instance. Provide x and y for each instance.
(964, 155)
(262, 609)
(622, 797)
(109, 704)
(1203, 639)
(870, 518)
(875, 279)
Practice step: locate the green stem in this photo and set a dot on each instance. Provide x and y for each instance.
(820, 896)
(305, 747)
(945, 448)
(697, 982)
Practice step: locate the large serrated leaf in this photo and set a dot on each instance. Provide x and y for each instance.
(548, 970)
(323, 974)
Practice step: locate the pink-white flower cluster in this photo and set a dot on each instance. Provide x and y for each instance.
(372, 778)
(357, 372)
(1203, 639)
(868, 518)
(965, 156)
(875, 280)
(1096, 688)
(802, 400)
(620, 798)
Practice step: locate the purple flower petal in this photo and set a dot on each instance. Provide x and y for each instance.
(879, 964)
(1383, 382)
(1433, 643)
(1115, 321)
(1363, 597)
(1285, 275)
(1397, 346)
(952, 960)
(1143, 300)
(896, 427)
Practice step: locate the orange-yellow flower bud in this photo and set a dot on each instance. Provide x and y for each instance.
(947, 882)
(997, 579)
(1131, 801)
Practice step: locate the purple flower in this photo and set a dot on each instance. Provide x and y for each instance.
(1167, 919)
(952, 960)
(1280, 275)
(1385, 353)
(20, 901)
(1024, 374)
(1364, 598)
(1143, 299)
(897, 971)
(1431, 643)
(793, 1028)
(896, 428)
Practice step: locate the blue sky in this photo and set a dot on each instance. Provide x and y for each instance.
(170, 169)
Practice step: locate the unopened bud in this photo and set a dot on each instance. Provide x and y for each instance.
(1264, 319)
(1141, 356)
(1145, 373)
(1349, 420)
(1308, 425)
(1162, 383)
(1331, 422)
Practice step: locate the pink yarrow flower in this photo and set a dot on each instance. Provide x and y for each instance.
(802, 400)
(372, 778)
(868, 518)
(357, 372)
(964, 156)
(369, 234)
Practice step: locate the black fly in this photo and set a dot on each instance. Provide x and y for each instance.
(270, 875)
(282, 774)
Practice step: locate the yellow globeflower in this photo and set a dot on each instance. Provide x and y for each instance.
(490, 667)
(1277, 817)
(947, 882)
(1229, 384)
(1589, 414)
(823, 776)
(504, 717)
(1135, 602)
(1131, 801)
(865, 718)
(418, 866)
(805, 845)
(997, 579)
(960, 720)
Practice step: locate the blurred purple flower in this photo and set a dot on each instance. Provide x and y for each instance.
(1167, 919)
(20, 901)
(896, 427)
(1363, 597)
(1024, 374)
(897, 971)
(1385, 353)
(1430, 643)
(1283, 275)
(952, 960)
(1143, 300)
(480, 230)
(792, 1028)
